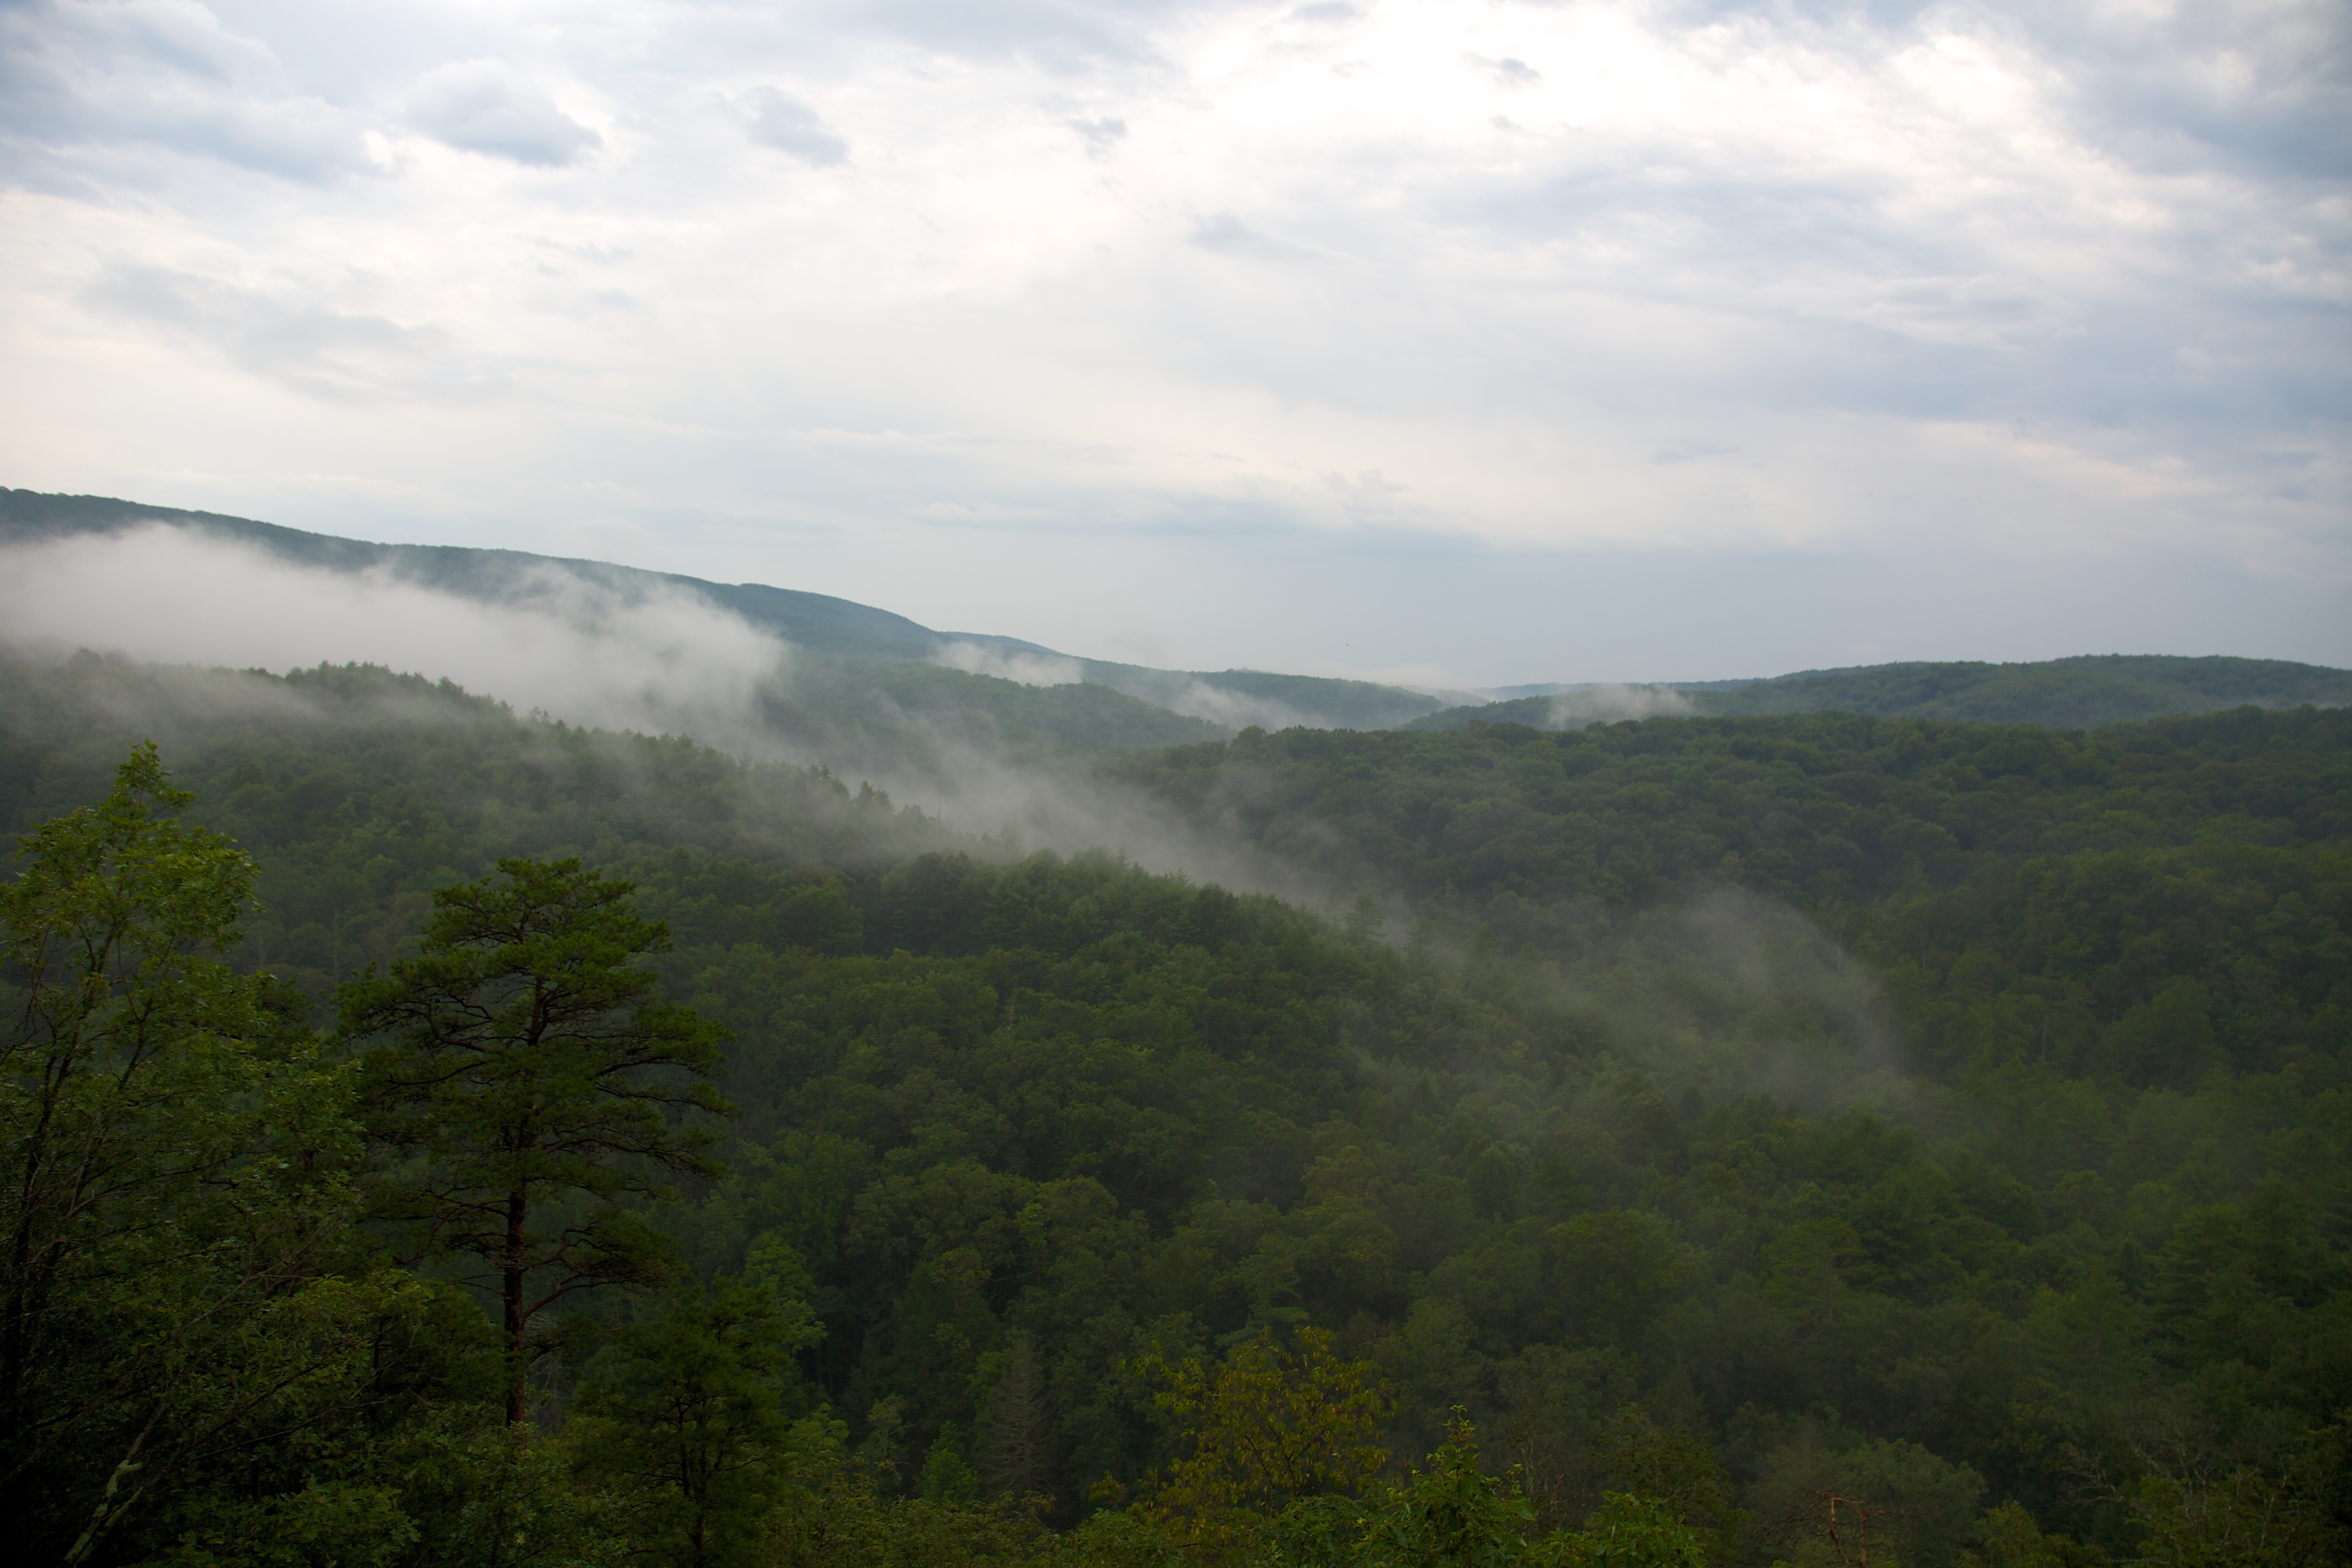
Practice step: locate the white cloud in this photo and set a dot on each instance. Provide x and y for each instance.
(485, 106)
(778, 120)
(91, 94)
(1880, 281)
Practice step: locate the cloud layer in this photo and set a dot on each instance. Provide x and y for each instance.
(671, 664)
(971, 308)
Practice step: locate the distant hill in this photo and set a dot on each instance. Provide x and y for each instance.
(818, 622)
(2061, 694)
(1238, 698)
(813, 623)
(867, 708)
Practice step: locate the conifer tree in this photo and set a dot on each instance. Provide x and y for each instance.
(525, 1080)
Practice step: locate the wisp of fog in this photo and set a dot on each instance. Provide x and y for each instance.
(662, 662)
(1725, 996)
(1011, 664)
(1579, 706)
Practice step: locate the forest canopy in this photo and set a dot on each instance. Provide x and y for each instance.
(1668, 1135)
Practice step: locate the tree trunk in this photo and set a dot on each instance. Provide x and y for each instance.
(518, 1398)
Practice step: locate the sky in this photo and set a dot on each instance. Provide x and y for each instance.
(1452, 343)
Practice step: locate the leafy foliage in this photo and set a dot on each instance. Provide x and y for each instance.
(1747, 1112)
(176, 1203)
(1270, 1427)
(684, 1413)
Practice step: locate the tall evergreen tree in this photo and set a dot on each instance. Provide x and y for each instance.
(525, 1080)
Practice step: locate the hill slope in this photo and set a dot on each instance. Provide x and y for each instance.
(812, 623)
(818, 622)
(860, 728)
(2076, 693)
(1770, 1107)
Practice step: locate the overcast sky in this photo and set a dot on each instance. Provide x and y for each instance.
(1453, 342)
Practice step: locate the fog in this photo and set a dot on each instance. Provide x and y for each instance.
(1710, 998)
(1011, 664)
(1724, 995)
(1574, 710)
(1234, 710)
(660, 662)
(666, 662)
(1734, 993)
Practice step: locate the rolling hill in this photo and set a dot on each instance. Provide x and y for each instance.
(877, 693)
(2077, 693)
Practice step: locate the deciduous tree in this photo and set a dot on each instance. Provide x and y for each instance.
(174, 1181)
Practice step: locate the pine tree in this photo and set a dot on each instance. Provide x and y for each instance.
(523, 1063)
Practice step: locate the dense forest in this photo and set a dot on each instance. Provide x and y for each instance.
(1684, 1140)
(2063, 693)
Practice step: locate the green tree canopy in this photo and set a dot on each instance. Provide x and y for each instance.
(523, 1062)
(175, 1184)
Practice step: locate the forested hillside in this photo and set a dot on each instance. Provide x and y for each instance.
(845, 707)
(2063, 693)
(1721, 1116)
(930, 728)
(1945, 851)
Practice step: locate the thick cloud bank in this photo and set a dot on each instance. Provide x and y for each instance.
(661, 664)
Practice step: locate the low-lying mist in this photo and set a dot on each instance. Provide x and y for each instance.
(585, 652)
(1718, 995)
(661, 663)
(1608, 704)
(1721, 994)
(1016, 665)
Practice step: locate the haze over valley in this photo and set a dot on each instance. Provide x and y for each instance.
(2001, 1024)
(1175, 783)
(779, 672)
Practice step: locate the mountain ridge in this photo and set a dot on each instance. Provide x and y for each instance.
(819, 623)
(2076, 692)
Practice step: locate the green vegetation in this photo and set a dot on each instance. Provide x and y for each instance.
(2063, 693)
(1237, 697)
(932, 726)
(864, 693)
(1678, 1140)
